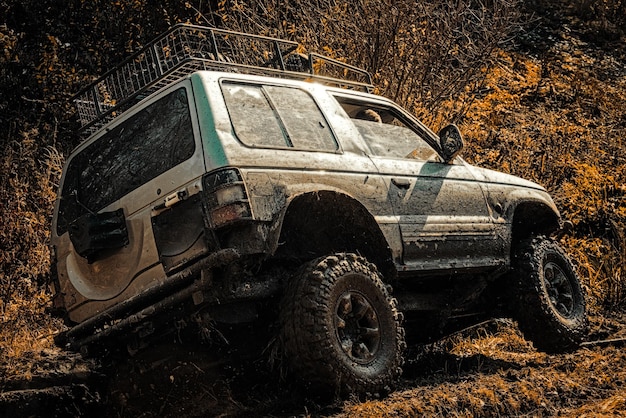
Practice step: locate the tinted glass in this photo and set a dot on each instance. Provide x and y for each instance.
(141, 148)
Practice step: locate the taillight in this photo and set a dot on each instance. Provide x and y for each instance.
(227, 200)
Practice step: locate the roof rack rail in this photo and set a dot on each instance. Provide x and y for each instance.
(184, 49)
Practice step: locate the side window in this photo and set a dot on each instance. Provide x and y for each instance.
(280, 117)
(252, 116)
(303, 120)
(386, 131)
(141, 148)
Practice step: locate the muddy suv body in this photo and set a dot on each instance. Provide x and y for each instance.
(244, 186)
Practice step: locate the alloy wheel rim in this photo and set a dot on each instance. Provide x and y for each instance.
(357, 326)
(560, 291)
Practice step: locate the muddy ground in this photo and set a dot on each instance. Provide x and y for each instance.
(487, 370)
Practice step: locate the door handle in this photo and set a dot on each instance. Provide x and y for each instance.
(401, 183)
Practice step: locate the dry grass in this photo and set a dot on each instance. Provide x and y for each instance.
(25, 324)
(537, 119)
(555, 114)
(27, 331)
(505, 376)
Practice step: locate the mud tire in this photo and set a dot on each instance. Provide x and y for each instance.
(341, 330)
(550, 307)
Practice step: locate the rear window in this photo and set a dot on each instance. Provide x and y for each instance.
(277, 117)
(141, 148)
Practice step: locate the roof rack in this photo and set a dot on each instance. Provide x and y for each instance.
(185, 49)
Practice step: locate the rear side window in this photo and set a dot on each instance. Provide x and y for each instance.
(141, 148)
(277, 117)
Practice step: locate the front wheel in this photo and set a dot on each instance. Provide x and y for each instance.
(341, 330)
(550, 302)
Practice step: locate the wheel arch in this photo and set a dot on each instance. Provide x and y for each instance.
(533, 218)
(320, 223)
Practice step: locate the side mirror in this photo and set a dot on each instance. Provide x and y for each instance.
(451, 142)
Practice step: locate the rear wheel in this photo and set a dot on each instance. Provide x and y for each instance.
(341, 330)
(550, 302)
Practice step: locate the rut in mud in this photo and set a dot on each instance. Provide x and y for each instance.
(487, 370)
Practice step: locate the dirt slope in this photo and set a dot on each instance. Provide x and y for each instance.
(553, 110)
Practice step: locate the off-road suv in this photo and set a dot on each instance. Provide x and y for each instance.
(225, 174)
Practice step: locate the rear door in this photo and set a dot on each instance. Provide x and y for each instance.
(133, 166)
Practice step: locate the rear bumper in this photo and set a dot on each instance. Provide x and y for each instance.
(192, 283)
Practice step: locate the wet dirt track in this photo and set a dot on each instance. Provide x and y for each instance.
(488, 370)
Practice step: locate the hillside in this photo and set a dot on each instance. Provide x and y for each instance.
(538, 89)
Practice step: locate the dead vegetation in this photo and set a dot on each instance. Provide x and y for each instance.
(493, 371)
(538, 89)
(421, 54)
